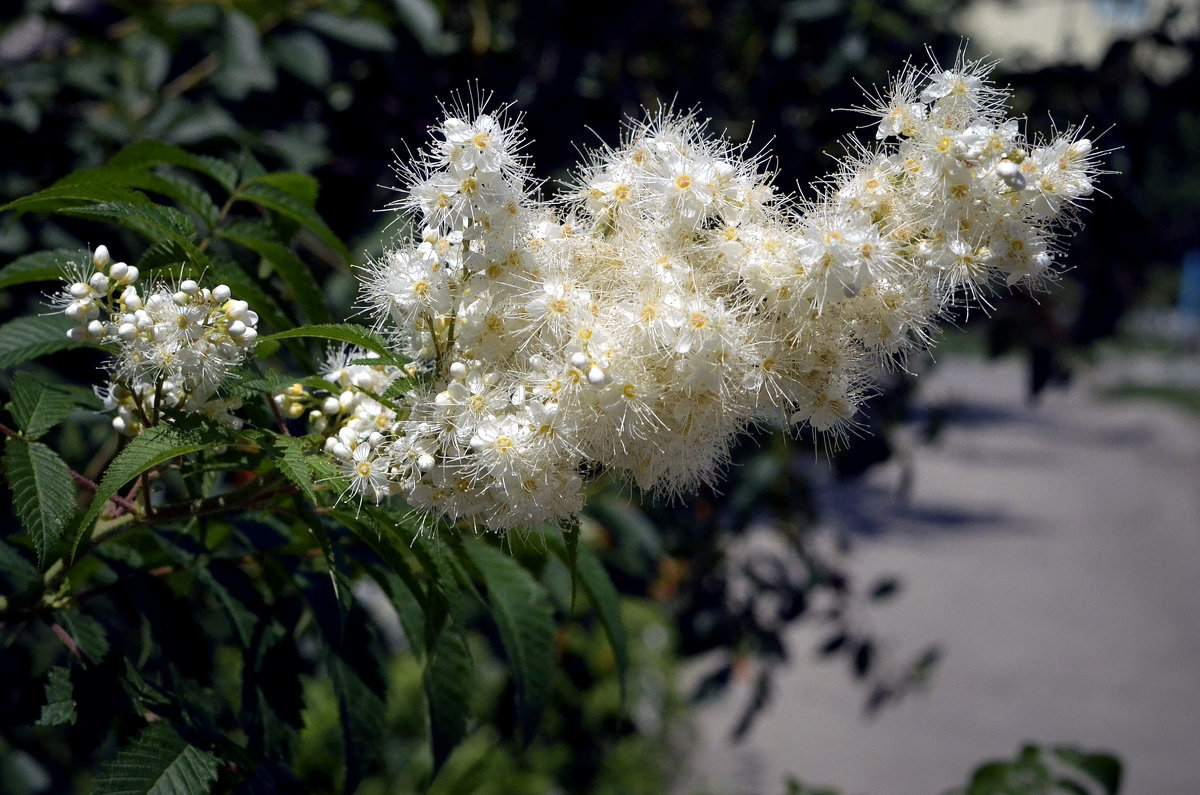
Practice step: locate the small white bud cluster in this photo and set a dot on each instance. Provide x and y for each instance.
(673, 299)
(174, 346)
(354, 420)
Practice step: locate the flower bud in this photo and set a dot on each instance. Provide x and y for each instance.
(221, 293)
(236, 329)
(118, 271)
(99, 282)
(79, 290)
(101, 258)
(189, 286)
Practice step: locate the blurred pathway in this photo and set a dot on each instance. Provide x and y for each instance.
(1053, 552)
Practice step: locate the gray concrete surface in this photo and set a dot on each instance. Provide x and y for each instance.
(1053, 552)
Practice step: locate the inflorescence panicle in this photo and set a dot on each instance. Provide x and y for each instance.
(673, 297)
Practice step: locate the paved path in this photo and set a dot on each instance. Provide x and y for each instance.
(1053, 553)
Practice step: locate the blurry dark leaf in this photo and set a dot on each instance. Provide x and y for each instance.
(1104, 769)
(359, 32)
(362, 717)
(758, 700)
(833, 644)
(448, 682)
(713, 685)
(303, 55)
(864, 656)
(59, 709)
(885, 589)
(16, 571)
(521, 609)
(602, 594)
(87, 633)
(244, 66)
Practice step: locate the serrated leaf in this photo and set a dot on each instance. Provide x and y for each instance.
(40, 266)
(151, 221)
(448, 683)
(27, 338)
(158, 762)
(144, 154)
(291, 458)
(339, 332)
(359, 32)
(261, 239)
(59, 709)
(181, 189)
(521, 609)
(154, 446)
(42, 491)
(603, 595)
(80, 187)
(38, 406)
(272, 198)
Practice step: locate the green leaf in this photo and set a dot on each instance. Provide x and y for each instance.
(246, 288)
(602, 593)
(521, 609)
(260, 238)
(448, 684)
(290, 457)
(273, 198)
(362, 718)
(29, 337)
(360, 33)
(42, 490)
(302, 186)
(15, 571)
(151, 221)
(39, 406)
(158, 762)
(339, 332)
(244, 66)
(1104, 768)
(81, 187)
(144, 154)
(154, 446)
(181, 189)
(243, 619)
(40, 266)
(59, 709)
(304, 55)
(87, 633)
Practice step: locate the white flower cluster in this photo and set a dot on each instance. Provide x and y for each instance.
(174, 346)
(674, 298)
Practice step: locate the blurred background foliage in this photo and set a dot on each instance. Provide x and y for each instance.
(335, 88)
